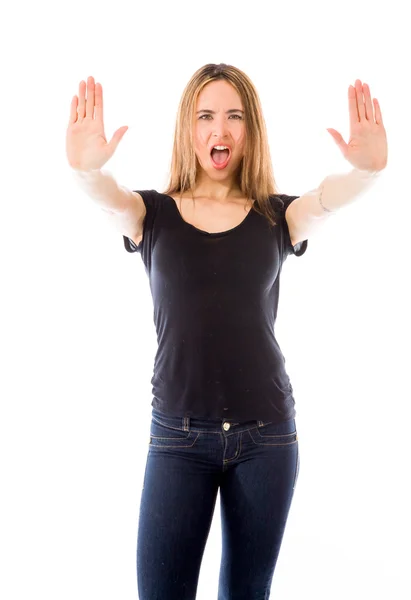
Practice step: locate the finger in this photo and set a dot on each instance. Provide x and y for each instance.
(338, 139)
(81, 99)
(360, 100)
(352, 104)
(90, 98)
(378, 115)
(73, 110)
(368, 104)
(99, 102)
(117, 137)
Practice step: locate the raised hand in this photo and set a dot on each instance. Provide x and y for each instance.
(367, 147)
(86, 144)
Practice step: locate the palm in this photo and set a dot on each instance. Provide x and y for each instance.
(86, 144)
(85, 140)
(367, 147)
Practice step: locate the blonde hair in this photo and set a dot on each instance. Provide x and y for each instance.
(255, 175)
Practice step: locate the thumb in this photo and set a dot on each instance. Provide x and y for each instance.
(117, 137)
(338, 139)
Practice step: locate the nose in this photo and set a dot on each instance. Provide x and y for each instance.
(220, 132)
(220, 128)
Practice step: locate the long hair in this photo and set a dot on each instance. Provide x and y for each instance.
(254, 175)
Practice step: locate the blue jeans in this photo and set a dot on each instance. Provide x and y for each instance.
(255, 466)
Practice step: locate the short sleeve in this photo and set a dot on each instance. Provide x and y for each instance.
(130, 246)
(300, 248)
(149, 202)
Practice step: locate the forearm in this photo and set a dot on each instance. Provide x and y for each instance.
(339, 190)
(103, 189)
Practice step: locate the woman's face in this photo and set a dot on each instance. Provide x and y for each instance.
(215, 125)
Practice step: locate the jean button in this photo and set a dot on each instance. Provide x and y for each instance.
(226, 426)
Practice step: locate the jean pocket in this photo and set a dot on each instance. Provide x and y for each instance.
(273, 434)
(167, 436)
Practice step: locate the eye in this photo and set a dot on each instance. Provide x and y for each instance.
(238, 116)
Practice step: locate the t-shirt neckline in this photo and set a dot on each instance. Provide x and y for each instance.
(207, 233)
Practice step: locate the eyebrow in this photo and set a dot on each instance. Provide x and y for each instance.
(232, 110)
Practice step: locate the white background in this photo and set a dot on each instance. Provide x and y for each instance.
(77, 333)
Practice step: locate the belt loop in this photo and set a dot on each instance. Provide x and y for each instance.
(186, 424)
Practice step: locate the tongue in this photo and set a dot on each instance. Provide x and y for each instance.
(219, 156)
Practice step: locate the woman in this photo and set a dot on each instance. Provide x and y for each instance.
(213, 244)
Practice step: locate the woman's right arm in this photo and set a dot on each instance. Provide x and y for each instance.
(125, 208)
(88, 150)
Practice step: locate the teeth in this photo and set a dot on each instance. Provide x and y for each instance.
(220, 147)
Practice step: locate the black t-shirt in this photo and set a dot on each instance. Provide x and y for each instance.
(215, 301)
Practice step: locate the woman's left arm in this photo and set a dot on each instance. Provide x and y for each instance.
(366, 151)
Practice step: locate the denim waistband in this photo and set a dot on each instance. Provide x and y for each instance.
(188, 423)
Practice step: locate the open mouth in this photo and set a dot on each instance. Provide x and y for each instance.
(220, 158)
